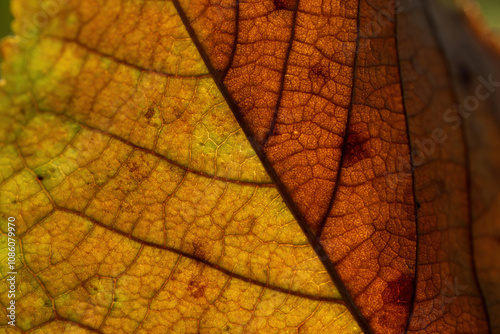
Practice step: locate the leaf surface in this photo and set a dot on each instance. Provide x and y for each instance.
(249, 166)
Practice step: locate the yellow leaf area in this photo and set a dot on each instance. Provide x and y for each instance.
(140, 206)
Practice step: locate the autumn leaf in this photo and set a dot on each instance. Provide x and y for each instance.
(195, 166)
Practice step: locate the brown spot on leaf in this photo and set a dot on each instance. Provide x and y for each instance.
(198, 251)
(398, 291)
(319, 72)
(285, 4)
(196, 289)
(132, 167)
(149, 113)
(358, 146)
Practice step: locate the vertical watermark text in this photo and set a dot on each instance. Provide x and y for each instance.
(11, 270)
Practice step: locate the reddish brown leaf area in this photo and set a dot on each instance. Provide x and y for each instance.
(344, 102)
(399, 291)
(292, 89)
(370, 232)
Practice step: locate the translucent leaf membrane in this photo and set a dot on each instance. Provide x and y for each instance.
(250, 167)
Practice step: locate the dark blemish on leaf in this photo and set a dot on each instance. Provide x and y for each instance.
(418, 206)
(196, 289)
(357, 148)
(91, 288)
(39, 177)
(133, 167)
(399, 291)
(48, 303)
(319, 71)
(285, 4)
(198, 251)
(149, 113)
(137, 170)
(464, 75)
